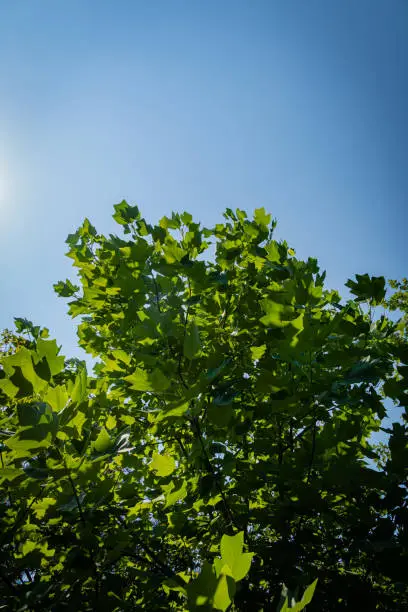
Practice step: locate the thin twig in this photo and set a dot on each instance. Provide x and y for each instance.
(313, 451)
(157, 292)
(183, 450)
(227, 509)
(180, 373)
(83, 519)
(81, 514)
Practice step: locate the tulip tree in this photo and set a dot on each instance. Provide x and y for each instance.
(220, 456)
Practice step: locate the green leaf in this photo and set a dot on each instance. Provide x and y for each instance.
(141, 380)
(159, 381)
(102, 442)
(172, 412)
(8, 388)
(65, 289)
(368, 288)
(28, 414)
(9, 473)
(201, 590)
(277, 315)
(24, 326)
(122, 356)
(224, 593)
(40, 507)
(231, 548)
(233, 558)
(258, 351)
(57, 397)
(164, 465)
(77, 421)
(175, 493)
(166, 223)
(27, 547)
(50, 350)
(273, 254)
(308, 594)
(261, 217)
(241, 566)
(186, 218)
(32, 438)
(173, 253)
(125, 214)
(192, 343)
(220, 567)
(22, 359)
(79, 390)
(300, 605)
(110, 422)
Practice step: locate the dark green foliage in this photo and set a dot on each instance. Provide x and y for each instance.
(221, 453)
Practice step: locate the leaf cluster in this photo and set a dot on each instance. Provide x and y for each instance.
(233, 400)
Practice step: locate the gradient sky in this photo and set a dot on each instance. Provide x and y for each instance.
(297, 106)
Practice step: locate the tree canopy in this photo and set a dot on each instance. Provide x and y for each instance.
(220, 455)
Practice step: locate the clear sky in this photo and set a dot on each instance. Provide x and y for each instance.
(297, 106)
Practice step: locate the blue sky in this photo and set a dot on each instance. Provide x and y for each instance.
(299, 107)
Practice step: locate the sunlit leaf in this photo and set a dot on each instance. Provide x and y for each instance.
(141, 380)
(261, 217)
(163, 465)
(57, 397)
(175, 493)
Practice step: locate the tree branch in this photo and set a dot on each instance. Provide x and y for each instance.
(227, 510)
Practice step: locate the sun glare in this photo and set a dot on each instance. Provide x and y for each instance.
(3, 182)
(2, 189)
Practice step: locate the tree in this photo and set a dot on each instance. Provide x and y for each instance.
(221, 453)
